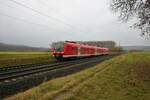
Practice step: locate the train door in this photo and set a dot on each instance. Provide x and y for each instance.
(79, 51)
(68, 49)
(74, 50)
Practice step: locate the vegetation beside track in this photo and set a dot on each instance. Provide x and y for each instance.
(125, 77)
(21, 58)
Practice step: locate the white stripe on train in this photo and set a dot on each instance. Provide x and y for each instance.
(82, 55)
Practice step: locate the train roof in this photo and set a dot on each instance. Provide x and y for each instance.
(79, 44)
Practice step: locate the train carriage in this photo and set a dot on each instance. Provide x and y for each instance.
(70, 49)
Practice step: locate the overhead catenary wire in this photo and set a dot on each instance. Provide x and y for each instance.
(49, 8)
(26, 21)
(22, 11)
(48, 16)
(42, 3)
(46, 26)
(17, 18)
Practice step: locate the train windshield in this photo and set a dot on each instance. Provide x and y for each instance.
(58, 46)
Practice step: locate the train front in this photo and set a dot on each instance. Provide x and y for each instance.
(58, 50)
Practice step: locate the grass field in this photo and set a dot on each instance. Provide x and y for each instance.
(126, 77)
(17, 58)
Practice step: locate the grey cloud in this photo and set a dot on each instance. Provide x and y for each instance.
(92, 17)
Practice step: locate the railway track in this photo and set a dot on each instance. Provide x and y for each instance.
(7, 68)
(20, 72)
(21, 79)
(16, 67)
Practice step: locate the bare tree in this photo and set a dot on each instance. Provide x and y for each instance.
(140, 9)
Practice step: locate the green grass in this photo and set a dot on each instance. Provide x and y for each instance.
(126, 77)
(17, 58)
(23, 53)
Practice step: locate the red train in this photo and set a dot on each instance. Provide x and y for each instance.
(70, 49)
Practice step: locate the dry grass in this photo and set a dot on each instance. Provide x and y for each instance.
(126, 77)
(17, 58)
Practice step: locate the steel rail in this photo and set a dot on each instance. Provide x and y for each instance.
(32, 70)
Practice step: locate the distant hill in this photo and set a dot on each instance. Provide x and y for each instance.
(136, 47)
(12, 47)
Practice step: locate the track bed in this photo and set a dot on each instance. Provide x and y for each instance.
(17, 80)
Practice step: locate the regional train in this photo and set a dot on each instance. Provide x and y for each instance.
(71, 49)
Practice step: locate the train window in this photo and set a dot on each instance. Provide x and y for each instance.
(88, 50)
(74, 50)
(85, 50)
(58, 46)
(93, 50)
(81, 50)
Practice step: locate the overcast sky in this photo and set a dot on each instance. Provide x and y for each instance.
(55, 20)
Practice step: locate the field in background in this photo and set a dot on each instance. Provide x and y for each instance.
(17, 58)
(125, 77)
